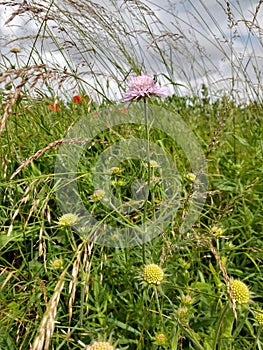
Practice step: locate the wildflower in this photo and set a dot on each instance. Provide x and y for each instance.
(182, 315)
(100, 346)
(114, 170)
(78, 99)
(153, 274)
(160, 339)
(57, 264)
(68, 219)
(154, 164)
(259, 317)
(15, 50)
(218, 231)
(124, 110)
(229, 246)
(95, 114)
(143, 86)
(240, 292)
(98, 195)
(186, 299)
(190, 176)
(55, 106)
(121, 183)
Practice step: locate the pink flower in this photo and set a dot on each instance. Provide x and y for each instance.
(143, 86)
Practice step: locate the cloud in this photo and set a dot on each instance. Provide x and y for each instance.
(188, 42)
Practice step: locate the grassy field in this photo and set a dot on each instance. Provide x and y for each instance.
(199, 288)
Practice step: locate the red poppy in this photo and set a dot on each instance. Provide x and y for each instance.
(124, 110)
(55, 106)
(78, 99)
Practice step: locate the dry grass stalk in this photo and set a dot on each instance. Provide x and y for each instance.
(40, 152)
(260, 2)
(11, 103)
(87, 267)
(9, 276)
(73, 282)
(47, 324)
(227, 278)
(30, 76)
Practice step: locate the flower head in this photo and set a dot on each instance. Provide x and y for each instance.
(114, 170)
(191, 177)
(78, 99)
(143, 86)
(57, 264)
(186, 299)
(15, 50)
(101, 345)
(68, 219)
(160, 339)
(55, 106)
(240, 292)
(153, 274)
(259, 317)
(218, 231)
(98, 195)
(154, 164)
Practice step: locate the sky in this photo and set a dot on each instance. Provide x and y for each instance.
(199, 43)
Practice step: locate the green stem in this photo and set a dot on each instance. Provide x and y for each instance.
(149, 169)
(219, 326)
(158, 303)
(257, 338)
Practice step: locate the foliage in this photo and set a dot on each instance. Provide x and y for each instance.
(60, 290)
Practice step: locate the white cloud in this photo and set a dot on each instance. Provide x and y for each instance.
(194, 39)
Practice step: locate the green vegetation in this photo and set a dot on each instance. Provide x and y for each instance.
(60, 290)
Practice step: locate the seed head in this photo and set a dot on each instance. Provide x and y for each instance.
(57, 264)
(98, 195)
(191, 177)
(153, 274)
(186, 299)
(218, 231)
(259, 317)
(240, 292)
(100, 346)
(68, 219)
(160, 339)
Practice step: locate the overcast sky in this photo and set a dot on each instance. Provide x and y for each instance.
(203, 48)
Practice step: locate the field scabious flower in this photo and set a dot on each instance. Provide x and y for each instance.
(98, 195)
(240, 292)
(143, 86)
(160, 339)
(68, 219)
(259, 317)
(218, 231)
(100, 346)
(153, 274)
(191, 177)
(57, 264)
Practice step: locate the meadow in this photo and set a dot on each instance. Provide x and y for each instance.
(197, 288)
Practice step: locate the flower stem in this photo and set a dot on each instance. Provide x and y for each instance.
(146, 120)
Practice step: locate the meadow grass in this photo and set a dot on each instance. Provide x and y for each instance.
(60, 290)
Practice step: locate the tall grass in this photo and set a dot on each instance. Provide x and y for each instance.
(59, 290)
